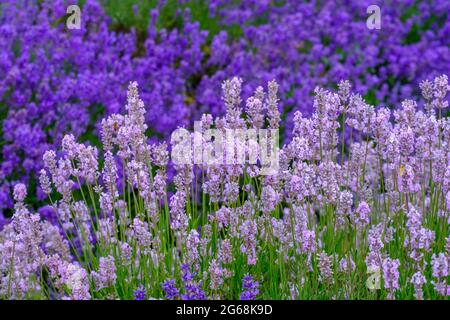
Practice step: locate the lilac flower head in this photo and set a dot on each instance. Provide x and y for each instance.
(44, 182)
(344, 90)
(232, 99)
(272, 105)
(269, 198)
(225, 253)
(441, 88)
(375, 241)
(192, 246)
(418, 280)
(77, 281)
(255, 111)
(344, 207)
(440, 265)
(362, 217)
(391, 275)
(20, 192)
(106, 276)
(216, 273)
(325, 267)
(426, 87)
(248, 232)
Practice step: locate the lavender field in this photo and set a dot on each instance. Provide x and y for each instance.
(212, 149)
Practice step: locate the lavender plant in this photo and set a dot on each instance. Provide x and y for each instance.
(180, 52)
(322, 227)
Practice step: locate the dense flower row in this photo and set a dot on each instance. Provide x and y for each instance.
(54, 81)
(366, 221)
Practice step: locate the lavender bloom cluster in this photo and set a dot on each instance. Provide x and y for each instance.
(319, 228)
(48, 73)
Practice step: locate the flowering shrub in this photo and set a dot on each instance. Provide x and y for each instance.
(367, 221)
(55, 81)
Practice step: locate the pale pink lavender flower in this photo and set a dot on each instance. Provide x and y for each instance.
(109, 175)
(272, 105)
(225, 252)
(362, 215)
(178, 217)
(140, 233)
(106, 232)
(222, 216)
(406, 181)
(391, 276)
(217, 274)
(53, 242)
(255, 109)
(231, 192)
(375, 242)
(441, 88)
(325, 267)
(232, 99)
(44, 182)
(247, 232)
(71, 275)
(440, 265)
(406, 154)
(418, 280)
(269, 198)
(328, 174)
(192, 247)
(106, 275)
(419, 239)
(77, 281)
(344, 208)
(20, 192)
(159, 183)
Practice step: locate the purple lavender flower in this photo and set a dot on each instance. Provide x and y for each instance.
(170, 289)
(140, 293)
(193, 292)
(250, 288)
